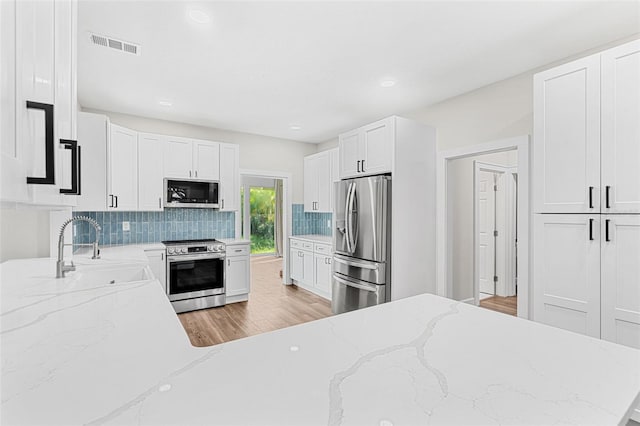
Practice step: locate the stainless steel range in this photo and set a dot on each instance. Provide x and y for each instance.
(195, 274)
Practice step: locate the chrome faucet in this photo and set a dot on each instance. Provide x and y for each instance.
(61, 268)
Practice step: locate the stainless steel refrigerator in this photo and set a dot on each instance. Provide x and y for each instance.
(362, 239)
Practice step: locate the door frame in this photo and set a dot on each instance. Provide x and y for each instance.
(287, 190)
(444, 268)
(509, 200)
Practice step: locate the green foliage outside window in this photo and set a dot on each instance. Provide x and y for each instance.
(262, 209)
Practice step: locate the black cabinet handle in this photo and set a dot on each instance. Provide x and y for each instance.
(362, 166)
(116, 197)
(606, 230)
(49, 178)
(75, 166)
(591, 197)
(590, 229)
(607, 189)
(111, 200)
(358, 166)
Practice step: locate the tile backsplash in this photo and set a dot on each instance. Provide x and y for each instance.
(310, 223)
(179, 224)
(153, 227)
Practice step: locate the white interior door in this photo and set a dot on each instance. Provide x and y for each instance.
(620, 279)
(567, 272)
(486, 225)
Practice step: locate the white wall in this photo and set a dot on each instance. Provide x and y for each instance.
(256, 152)
(24, 232)
(460, 195)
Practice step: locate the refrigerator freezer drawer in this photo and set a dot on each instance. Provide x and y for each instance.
(358, 269)
(349, 295)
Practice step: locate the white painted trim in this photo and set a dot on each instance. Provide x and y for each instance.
(287, 193)
(470, 301)
(522, 144)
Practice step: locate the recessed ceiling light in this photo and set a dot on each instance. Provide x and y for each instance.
(387, 82)
(165, 103)
(199, 16)
(295, 127)
(294, 348)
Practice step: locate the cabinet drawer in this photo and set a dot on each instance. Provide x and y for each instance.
(242, 250)
(307, 245)
(295, 243)
(322, 248)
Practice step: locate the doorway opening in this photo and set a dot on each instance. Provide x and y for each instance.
(263, 220)
(483, 225)
(495, 233)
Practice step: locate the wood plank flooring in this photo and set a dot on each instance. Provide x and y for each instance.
(506, 305)
(271, 306)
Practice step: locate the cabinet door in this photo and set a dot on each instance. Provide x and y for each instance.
(621, 279)
(323, 169)
(206, 160)
(377, 147)
(158, 265)
(310, 184)
(237, 275)
(297, 264)
(150, 173)
(13, 174)
(621, 129)
(307, 268)
(322, 273)
(178, 158)
(566, 147)
(567, 272)
(335, 175)
(123, 169)
(350, 158)
(92, 136)
(229, 177)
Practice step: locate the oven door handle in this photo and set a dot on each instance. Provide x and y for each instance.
(172, 259)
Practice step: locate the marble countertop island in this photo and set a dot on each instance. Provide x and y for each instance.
(93, 350)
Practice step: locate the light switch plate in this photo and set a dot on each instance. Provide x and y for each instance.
(328, 223)
(125, 226)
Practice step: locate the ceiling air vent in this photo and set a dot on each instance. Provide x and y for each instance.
(115, 44)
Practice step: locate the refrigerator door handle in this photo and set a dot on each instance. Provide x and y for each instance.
(356, 264)
(366, 287)
(350, 214)
(348, 217)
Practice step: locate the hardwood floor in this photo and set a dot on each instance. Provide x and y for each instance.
(506, 305)
(271, 306)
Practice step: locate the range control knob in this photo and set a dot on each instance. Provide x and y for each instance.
(170, 250)
(209, 248)
(183, 250)
(220, 247)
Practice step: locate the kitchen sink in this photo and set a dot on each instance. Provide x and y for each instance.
(115, 275)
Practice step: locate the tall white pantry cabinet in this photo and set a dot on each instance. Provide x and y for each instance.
(586, 192)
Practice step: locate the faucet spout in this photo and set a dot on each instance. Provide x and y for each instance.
(61, 267)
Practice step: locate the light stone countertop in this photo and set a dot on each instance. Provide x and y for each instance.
(324, 239)
(81, 351)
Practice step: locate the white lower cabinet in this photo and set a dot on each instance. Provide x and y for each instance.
(238, 272)
(311, 266)
(158, 264)
(620, 279)
(587, 275)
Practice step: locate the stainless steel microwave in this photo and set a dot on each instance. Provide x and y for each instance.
(191, 193)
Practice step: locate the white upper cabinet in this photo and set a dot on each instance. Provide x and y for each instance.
(93, 132)
(368, 150)
(620, 238)
(188, 158)
(566, 148)
(350, 156)
(318, 181)
(587, 134)
(567, 272)
(178, 159)
(38, 100)
(123, 169)
(150, 174)
(206, 160)
(229, 177)
(620, 115)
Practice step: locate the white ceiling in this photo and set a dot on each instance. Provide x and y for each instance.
(261, 67)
